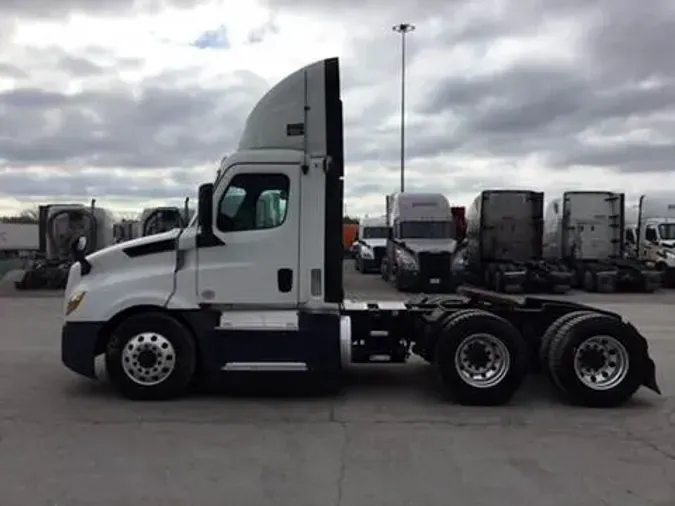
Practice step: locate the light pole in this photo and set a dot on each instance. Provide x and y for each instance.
(403, 29)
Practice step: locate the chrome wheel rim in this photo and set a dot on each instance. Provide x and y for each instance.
(148, 359)
(482, 360)
(601, 362)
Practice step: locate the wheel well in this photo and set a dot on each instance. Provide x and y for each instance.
(105, 333)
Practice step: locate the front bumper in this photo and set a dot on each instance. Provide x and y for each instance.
(79, 342)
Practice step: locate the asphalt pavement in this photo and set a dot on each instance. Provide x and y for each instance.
(386, 440)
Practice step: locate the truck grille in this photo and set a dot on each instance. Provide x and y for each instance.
(379, 252)
(434, 265)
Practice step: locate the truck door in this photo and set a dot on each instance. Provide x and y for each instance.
(258, 223)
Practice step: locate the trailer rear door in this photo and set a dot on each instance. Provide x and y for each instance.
(593, 225)
(511, 226)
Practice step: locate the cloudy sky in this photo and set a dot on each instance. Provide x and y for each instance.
(135, 102)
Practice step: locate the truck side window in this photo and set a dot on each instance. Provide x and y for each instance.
(650, 234)
(253, 202)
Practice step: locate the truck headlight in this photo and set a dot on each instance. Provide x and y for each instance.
(74, 302)
(366, 252)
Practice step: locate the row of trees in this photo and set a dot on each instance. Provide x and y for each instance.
(26, 216)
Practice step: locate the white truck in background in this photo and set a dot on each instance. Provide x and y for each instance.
(651, 236)
(422, 243)
(585, 229)
(371, 244)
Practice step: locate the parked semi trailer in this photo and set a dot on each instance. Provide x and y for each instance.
(59, 226)
(19, 237)
(503, 250)
(155, 220)
(125, 230)
(421, 244)
(218, 299)
(371, 244)
(651, 237)
(585, 229)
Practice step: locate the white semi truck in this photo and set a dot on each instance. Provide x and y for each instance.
(225, 296)
(371, 244)
(651, 237)
(59, 226)
(585, 229)
(422, 242)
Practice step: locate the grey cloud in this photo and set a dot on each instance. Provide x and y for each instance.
(82, 184)
(12, 71)
(633, 40)
(53, 9)
(160, 127)
(79, 67)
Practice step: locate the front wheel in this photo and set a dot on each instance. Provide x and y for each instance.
(151, 356)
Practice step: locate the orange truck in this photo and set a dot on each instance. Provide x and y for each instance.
(349, 233)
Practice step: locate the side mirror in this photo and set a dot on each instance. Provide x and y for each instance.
(205, 208)
(80, 245)
(78, 249)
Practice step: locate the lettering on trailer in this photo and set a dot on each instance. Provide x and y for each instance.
(424, 204)
(671, 207)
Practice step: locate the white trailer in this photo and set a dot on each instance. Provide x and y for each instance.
(371, 243)
(19, 237)
(585, 229)
(225, 297)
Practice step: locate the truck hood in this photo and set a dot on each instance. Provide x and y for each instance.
(375, 243)
(431, 245)
(101, 257)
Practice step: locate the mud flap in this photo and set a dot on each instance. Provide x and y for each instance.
(649, 377)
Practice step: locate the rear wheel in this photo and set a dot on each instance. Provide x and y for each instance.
(480, 358)
(597, 360)
(550, 334)
(151, 356)
(589, 281)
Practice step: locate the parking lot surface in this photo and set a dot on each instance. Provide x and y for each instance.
(386, 440)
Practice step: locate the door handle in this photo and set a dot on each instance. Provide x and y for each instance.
(285, 280)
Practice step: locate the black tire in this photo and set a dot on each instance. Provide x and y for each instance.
(184, 362)
(456, 330)
(575, 333)
(550, 333)
(498, 281)
(398, 283)
(434, 324)
(589, 283)
(356, 264)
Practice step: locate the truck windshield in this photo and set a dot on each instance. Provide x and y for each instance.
(427, 230)
(375, 233)
(667, 231)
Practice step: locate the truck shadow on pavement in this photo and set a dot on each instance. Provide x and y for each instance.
(407, 383)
